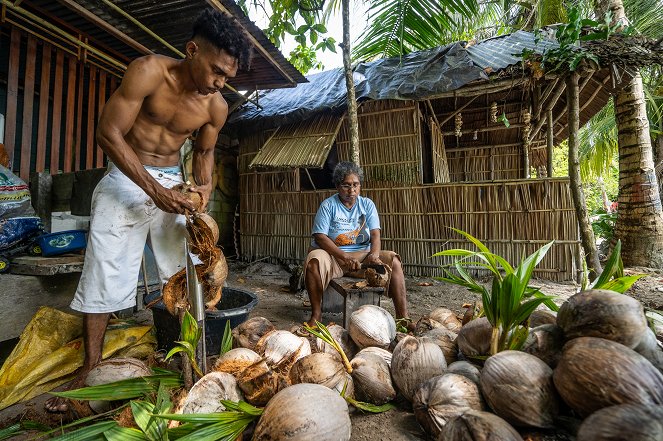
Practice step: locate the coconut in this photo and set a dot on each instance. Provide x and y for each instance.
(650, 348)
(248, 333)
(540, 317)
(370, 325)
(112, 370)
(342, 337)
(545, 342)
(415, 360)
(426, 324)
(372, 378)
(304, 412)
(205, 396)
(447, 318)
(604, 314)
(207, 226)
(635, 422)
(594, 373)
(519, 388)
(373, 278)
(217, 273)
(282, 348)
(446, 340)
(465, 369)
(260, 383)
(193, 196)
(236, 360)
(324, 369)
(382, 353)
(443, 397)
(476, 425)
(474, 338)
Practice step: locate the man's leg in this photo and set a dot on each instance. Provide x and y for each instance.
(94, 329)
(313, 283)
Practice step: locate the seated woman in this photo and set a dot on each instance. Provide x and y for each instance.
(346, 233)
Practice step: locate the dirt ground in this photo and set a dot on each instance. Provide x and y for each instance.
(286, 309)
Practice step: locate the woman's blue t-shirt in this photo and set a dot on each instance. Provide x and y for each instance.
(348, 228)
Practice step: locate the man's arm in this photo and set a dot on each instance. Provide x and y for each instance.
(203, 150)
(117, 118)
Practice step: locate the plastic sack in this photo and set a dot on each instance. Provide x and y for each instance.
(50, 351)
(14, 196)
(17, 230)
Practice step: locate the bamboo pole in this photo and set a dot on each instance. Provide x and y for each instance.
(549, 142)
(349, 82)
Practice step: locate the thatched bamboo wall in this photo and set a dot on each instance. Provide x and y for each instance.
(511, 217)
(439, 154)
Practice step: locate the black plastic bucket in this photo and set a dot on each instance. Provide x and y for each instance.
(235, 306)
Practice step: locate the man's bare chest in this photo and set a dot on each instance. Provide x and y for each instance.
(175, 114)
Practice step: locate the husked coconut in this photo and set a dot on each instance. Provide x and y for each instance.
(605, 314)
(540, 317)
(342, 337)
(374, 278)
(634, 422)
(443, 397)
(282, 348)
(545, 342)
(112, 370)
(415, 360)
(372, 378)
(324, 369)
(446, 340)
(466, 369)
(519, 388)
(193, 196)
(370, 325)
(474, 338)
(382, 353)
(447, 318)
(476, 425)
(594, 373)
(247, 334)
(236, 360)
(260, 383)
(304, 412)
(205, 396)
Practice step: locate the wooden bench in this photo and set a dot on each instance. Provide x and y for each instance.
(343, 295)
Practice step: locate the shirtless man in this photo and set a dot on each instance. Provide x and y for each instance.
(159, 104)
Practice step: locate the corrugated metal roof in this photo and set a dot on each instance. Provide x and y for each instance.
(305, 144)
(501, 52)
(172, 21)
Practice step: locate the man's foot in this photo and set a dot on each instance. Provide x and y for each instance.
(61, 404)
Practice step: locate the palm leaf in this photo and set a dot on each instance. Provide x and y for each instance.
(124, 389)
(227, 340)
(118, 433)
(89, 433)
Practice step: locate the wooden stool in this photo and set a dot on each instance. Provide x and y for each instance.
(343, 296)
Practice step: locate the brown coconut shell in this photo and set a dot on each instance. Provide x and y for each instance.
(448, 319)
(247, 334)
(603, 314)
(324, 369)
(474, 338)
(594, 373)
(475, 425)
(466, 369)
(372, 378)
(236, 360)
(633, 422)
(650, 348)
(260, 383)
(540, 317)
(415, 360)
(426, 324)
(545, 342)
(442, 398)
(519, 388)
(217, 272)
(446, 340)
(373, 278)
(193, 196)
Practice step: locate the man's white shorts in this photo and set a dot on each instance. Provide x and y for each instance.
(123, 220)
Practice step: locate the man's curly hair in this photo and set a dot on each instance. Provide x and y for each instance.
(224, 32)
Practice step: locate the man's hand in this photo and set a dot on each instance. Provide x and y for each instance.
(205, 192)
(373, 259)
(350, 264)
(172, 201)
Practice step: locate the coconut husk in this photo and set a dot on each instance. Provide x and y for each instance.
(426, 324)
(466, 369)
(376, 279)
(415, 360)
(635, 422)
(474, 337)
(476, 425)
(545, 342)
(540, 317)
(193, 196)
(324, 369)
(650, 348)
(603, 314)
(446, 340)
(447, 318)
(519, 388)
(247, 334)
(260, 383)
(372, 378)
(205, 396)
(594, 373)
(236, 360)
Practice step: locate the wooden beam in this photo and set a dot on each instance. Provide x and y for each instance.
(41, 184)
(12, 94)
(105, 26)
(79, 118)
(28, 102)
(44, 92)
(58, 87)
(550, 141)
(549, 106)
(485, 129)
(70, 117)
(458, 111)
(100, 105)
(90, 144)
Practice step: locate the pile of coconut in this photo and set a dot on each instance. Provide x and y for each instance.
(592, 371)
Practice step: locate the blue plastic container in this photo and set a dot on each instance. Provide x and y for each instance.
(62, 242)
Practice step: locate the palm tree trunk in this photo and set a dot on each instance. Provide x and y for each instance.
(586, 233)
(640, 213)
(352, 102)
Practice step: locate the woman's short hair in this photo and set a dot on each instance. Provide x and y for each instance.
(343, 169)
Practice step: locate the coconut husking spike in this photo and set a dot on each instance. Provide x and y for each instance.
(197, 302)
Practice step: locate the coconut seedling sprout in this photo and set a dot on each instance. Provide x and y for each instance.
(323, 334)
(191, 333)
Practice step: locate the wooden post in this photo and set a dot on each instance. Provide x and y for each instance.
(41, 184)
(353, 120)
(549, 141)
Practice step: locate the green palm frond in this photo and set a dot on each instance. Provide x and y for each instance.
(598, 143)
(646, 16)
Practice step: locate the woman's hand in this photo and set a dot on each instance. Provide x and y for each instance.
(373, 259)
(350, 264)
